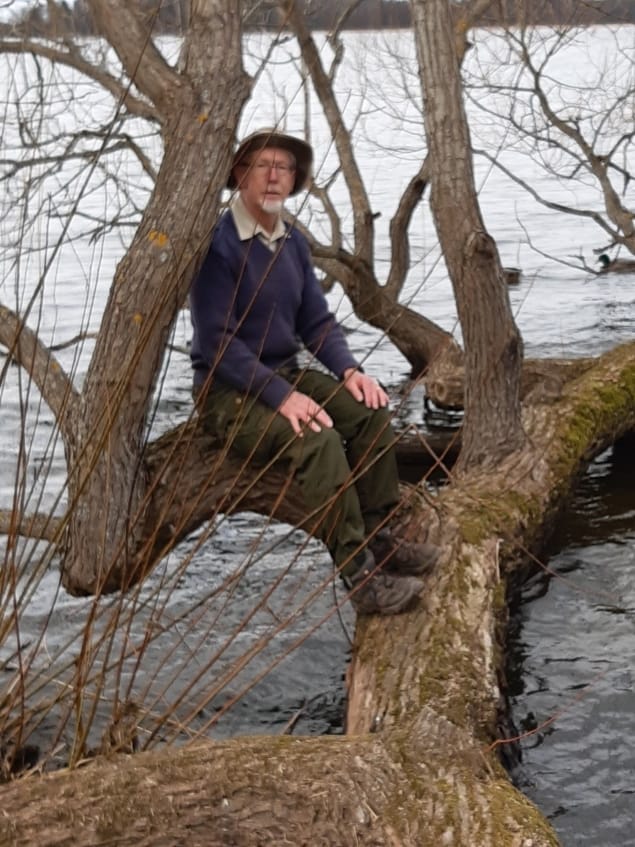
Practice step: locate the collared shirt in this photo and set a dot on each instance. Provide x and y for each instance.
(248, 227)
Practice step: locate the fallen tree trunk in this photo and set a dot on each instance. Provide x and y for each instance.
(542, 380)
(488, 523)
(420, 762)
(375, 790)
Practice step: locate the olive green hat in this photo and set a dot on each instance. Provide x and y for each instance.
(269, 137)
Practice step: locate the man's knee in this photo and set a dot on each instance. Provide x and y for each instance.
(379, 427)
(325, 447)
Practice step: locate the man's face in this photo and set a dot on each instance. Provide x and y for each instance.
(265, 180)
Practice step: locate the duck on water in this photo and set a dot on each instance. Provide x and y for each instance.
(615, 265)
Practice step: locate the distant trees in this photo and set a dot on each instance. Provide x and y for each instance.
(171, 16)
(54, 18)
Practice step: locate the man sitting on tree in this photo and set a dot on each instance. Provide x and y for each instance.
(255, 303)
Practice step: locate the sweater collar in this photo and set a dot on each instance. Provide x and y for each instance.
(248, 227)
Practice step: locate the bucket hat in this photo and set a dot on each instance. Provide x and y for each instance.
(270, 137)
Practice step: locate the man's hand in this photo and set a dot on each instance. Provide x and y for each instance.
(365, 389)
(301, 410)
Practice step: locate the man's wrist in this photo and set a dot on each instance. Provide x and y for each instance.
(348, 371)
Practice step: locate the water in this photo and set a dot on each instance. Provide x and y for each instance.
(572, 655)
(180, 634)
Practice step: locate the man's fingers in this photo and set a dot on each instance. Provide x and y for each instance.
(316, 418)
(323, 418)
(301, 412)
(366, 390)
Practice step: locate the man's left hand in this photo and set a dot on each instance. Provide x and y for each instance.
(365, 389)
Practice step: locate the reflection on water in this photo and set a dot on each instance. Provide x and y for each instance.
(572, 663)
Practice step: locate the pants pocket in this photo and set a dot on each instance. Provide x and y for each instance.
(214, 415)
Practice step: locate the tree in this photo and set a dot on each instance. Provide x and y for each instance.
(103, 425)
(492, 425)
(419, 763)
(566, 128)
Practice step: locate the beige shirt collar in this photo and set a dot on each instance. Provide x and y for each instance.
(247, 226)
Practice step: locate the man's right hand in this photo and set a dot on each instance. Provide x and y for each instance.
(301, 410)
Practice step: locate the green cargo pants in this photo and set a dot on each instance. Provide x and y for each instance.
(348, 474)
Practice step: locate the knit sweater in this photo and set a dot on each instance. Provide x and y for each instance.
(252, 309)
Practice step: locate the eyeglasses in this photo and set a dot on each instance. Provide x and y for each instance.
(262, 166)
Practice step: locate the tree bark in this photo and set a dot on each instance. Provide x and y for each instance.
(419, 764)
(493, 345)
(420, 340)
(107, 487)
(540, 379)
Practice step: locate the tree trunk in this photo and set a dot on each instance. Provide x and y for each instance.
(493, 346)
(540, 380)
(107, 486)
(419, 764)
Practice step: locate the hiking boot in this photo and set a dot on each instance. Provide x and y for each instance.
(374, 592)
(402, 557)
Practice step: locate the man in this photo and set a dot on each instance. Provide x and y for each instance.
(255, 303)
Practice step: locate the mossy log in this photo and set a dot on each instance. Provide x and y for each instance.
(420, 762)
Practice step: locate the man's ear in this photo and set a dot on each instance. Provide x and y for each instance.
(240, 173)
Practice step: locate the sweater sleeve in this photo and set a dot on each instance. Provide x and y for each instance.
(317, 326)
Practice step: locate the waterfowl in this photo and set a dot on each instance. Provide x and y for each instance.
(615, 265)
(512, 275)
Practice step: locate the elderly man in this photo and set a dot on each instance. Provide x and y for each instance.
(256, 305)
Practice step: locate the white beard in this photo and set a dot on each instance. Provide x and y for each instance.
(272, 207)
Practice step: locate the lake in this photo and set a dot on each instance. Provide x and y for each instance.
(572, 640)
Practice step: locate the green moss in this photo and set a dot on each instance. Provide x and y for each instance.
(447, 664)
(600, 408)
(493, 514)
(506, 802)
(489, 821)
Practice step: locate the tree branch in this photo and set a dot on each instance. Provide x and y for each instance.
(72, 58)
(549, 204)
(621, 217)
(40, 525)
(110, 143)
(362, 213)
(344, 15)
(399, 228)
(122, 25)
(52, 381)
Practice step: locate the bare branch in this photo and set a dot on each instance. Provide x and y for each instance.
(42, 526)
(72, 58)
(362, 213)
(549, 204)
(122, 25)
(52, 381)
(76, 339)
(341, 21)
(399, 227)
(109, 144)
(622, 217)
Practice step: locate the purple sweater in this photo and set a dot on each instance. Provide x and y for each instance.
(252, 309)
